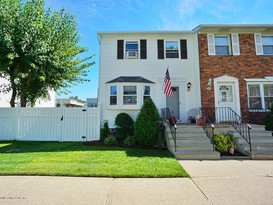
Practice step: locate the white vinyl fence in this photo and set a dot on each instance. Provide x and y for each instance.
(50, 124)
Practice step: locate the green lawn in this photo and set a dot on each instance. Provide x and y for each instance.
(76, 159)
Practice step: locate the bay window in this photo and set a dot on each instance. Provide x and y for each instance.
(129, 95)
(113, 95)
(146, 93)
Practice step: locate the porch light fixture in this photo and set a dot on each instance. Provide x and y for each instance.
(189, 86)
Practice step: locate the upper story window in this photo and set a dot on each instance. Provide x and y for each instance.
(171, 49)
(223, 44)
(267, 42)
(263, 44)
(132, 49)
(129, 95)
(113, 95)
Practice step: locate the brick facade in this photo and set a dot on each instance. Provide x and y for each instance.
(245, 65)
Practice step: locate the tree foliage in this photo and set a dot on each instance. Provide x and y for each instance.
(146, 125)
(38, 50)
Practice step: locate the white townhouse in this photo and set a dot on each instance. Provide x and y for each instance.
(132, 68)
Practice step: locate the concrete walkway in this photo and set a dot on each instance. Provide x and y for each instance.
(212, 182)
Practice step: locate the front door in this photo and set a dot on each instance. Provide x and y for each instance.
(173, 102)
(225, 98)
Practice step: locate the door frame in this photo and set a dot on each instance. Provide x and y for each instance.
(231, 80)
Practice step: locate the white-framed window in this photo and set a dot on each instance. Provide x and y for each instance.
(113, 95)
(267, 42)
(223, 44)
(130, 95)
(147, 93)
(263, 44)
(260, 95)
(171, 49)
(131, 49)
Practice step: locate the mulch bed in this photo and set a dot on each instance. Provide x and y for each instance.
(99, 143)
(236, 153)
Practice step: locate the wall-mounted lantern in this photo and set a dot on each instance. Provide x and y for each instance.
(189, 86)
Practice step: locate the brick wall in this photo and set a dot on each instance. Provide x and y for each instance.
(246, 65)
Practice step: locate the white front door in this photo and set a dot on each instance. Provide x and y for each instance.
(226, 95)
(225, 98)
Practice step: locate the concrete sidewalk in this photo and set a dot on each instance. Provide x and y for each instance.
(212, 182)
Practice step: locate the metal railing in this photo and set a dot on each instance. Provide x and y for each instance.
(228, 116)
(170, 120)
(208, 127)
(257, 116)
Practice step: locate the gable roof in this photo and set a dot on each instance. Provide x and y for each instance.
(130, 79)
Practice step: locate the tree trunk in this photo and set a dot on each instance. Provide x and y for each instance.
(13, 97)
(14, 93)
(23, 101)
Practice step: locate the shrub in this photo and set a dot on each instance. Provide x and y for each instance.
(223, 142)
(124, 126)
(130, 141)
(268, 120)
(105, 131)
(146, 126)
(110, 141)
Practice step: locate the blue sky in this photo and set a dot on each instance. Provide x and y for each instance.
(146, 15)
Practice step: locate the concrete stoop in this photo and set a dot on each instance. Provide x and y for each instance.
(191, 143)
(261, 141)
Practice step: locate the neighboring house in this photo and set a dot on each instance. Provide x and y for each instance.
(5, 98)
(69, 102)
(236, 66)
(132, 68)
(91, 102)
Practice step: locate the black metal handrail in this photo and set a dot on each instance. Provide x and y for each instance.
(229, 116)
(170, 120)
(258, 115)
(208, 127)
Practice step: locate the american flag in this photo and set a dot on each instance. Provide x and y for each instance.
(168, 86)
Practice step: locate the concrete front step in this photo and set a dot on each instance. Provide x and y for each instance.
(191, 143)
(261, 143)
(262, 155)
(197, 155)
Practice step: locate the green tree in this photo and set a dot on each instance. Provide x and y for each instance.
(124, 126)
(39, 50)
(146, 125)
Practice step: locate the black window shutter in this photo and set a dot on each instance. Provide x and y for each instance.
(183, 49)
(143, 49)
(160, 49)
(120, 51)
